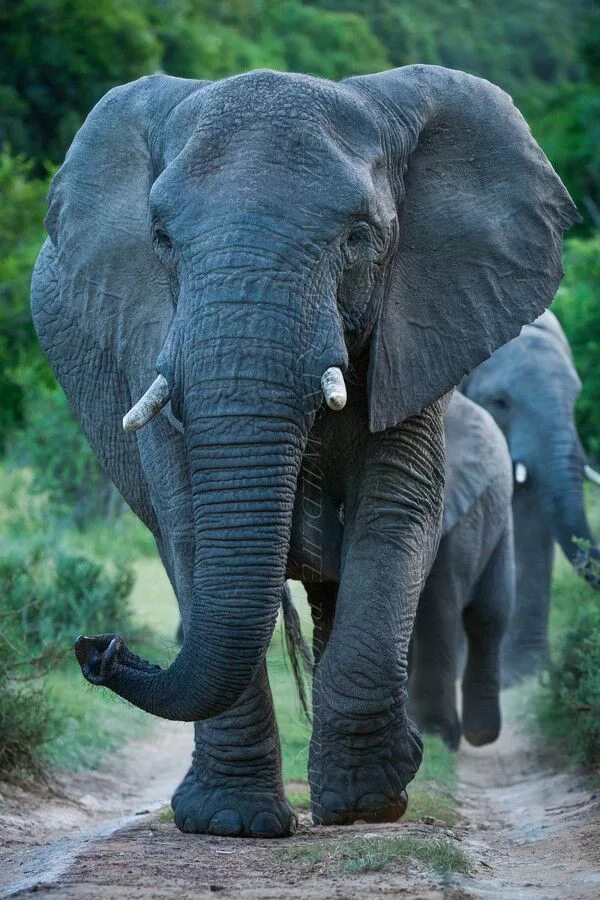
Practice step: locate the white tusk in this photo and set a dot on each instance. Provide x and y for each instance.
(334, 388)
(520, 473)
(591, 474)
(148, 406)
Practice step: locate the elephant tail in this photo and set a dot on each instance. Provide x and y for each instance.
(301, 658)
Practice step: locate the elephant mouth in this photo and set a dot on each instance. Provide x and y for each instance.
(158, 395)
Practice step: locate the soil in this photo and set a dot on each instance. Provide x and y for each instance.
(528, 830)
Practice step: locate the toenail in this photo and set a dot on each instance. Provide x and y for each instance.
(266, 824)
(226, 823)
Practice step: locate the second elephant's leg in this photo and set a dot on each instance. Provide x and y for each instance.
(485, 620)
(431, 686)
(234, 786)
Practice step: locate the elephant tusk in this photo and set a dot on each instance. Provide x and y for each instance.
(520, 473)
(334, 388)
(591, 474)
(157, 396)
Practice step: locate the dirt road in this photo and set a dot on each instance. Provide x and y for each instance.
(527, 831)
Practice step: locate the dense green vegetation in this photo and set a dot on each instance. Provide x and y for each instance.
(577, 306)
(59, 561)
(568, 699)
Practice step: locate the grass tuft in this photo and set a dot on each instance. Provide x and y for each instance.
(166, 815)
(373, 854)
(432, 792)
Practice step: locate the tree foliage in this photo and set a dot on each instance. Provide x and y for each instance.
(577, 306)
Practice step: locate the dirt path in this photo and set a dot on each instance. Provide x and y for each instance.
(538, 829)
(527, 831)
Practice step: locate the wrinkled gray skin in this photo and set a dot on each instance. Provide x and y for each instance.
(471, 585)
(530, 387)
(240, 237)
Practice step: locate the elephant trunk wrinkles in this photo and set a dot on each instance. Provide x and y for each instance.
(245, 430)
(243, 514)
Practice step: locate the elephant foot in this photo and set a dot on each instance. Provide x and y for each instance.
(231, 811)
(370, 787)
(481, 719)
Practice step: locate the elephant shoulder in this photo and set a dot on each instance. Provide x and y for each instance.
(476, 457)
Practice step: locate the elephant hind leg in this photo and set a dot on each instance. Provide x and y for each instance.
(485, 619)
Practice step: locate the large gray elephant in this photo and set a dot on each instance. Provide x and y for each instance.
(250, 240)
(471, 586)
(530, 387)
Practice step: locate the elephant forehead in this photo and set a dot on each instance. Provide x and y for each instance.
(273, 112)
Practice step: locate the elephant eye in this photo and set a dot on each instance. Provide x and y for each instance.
(163, 238)
(161, 235)
(358, 240)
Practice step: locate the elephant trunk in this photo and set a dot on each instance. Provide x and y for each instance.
(245, 423)
(562, 499)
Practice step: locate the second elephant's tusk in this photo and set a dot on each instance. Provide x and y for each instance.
(157, 396)
(334, 388)
(520, 473)
(591, 474)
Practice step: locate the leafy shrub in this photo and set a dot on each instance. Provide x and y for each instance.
(570, 708)
(577, 305)
(569, 701)
(22, 209)
(48, 597)
(63, 465)
(48, 602)
(27, 722)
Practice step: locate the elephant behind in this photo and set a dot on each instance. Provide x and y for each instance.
(530, 387)
(471, 584)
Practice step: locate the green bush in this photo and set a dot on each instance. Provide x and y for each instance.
(62, 463)
(22, 209)
(577, 305)
(568, 701)
(47, 602)
(575, 687)
(27, 723)
(50, 593)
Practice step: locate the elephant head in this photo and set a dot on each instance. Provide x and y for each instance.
(530, 386)
(241, 238)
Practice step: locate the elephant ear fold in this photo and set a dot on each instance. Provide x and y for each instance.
(481, 217)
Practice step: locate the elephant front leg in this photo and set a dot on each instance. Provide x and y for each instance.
(365, 749)
(234, 785)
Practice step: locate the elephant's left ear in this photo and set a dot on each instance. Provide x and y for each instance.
(481, 217)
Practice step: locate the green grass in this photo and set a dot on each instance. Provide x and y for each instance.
(432, 792)
(166, 815)
(362, 854)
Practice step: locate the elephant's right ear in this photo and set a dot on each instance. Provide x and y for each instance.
(99, 220)
(101, 301)
(481, 215)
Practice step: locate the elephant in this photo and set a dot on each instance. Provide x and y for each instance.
(302, 269)
(530, 387)
(471, 584)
